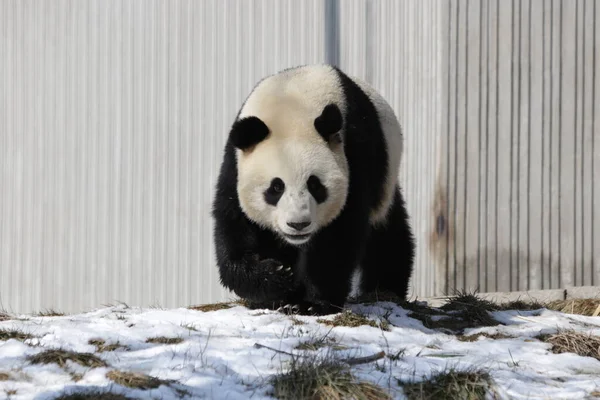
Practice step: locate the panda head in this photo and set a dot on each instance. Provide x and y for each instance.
(292, 170)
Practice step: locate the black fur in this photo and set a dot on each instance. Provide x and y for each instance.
(316, 189)
(248, 132)
(329, 122)
(249, 256)
(274, 192)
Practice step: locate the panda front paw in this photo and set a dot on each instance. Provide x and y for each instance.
(311, 309)
(277, 279)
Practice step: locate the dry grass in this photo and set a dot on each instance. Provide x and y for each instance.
(164, 340)
(450, 385)
(135, 380)
(50, 313)
(575, 306)
(93, 396)
(476, 336)
(101, 345)
(323, 379)
(4, 376)
(463, 310)
(568, 341)
(60, 357)
(472, 308)
(4, 316)
(296, 321)
(318, 342)
(6, 334)
(352, 320)
(211, 307)
(520, 305)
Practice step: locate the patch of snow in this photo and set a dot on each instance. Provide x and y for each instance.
(217, 358)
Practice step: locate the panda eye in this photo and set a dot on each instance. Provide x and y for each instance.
(277, 185)
(274, 192)
(316, 189)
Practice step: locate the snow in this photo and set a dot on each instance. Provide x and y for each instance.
(217, 358)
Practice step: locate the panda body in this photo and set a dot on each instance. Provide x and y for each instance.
(307, 201)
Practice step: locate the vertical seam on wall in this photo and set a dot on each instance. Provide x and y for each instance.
(576, 106)
(455, 136)
(487, 137)
(510, 202)
(551, 119)
(479, 229)
(582, 165)
(593, 141)
(518, 155)
(528, 266)
(497, 136)
(465, 136)
(543, 138)
(332, 33)
(447, 232)
(560, 110)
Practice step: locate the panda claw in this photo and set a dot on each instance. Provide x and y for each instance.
(279, 268)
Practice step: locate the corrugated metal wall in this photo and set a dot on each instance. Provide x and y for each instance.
(113, 117)
(517, 197)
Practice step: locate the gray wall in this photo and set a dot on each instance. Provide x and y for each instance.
(517, 191)
(113, 116)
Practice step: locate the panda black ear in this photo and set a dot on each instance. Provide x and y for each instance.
(247, 132)
(329, 122)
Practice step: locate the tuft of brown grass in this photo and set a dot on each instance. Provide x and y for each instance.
(463, 310)
(323, 379)
(4, 376)
(316, 343)
(352, 320)
(135, 380)
(93, 395)
(472, 308)
(450, 385)
(211, 307)
(60, 357)
(569, 341)
(520, 305)
(50, 313)
(6, 334)
(164, 340)
(296, 321)
(575, 306)
(4, 316)
(476, 336)
(101, 345)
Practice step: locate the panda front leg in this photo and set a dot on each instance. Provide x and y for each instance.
(328, 265)
(264, 280)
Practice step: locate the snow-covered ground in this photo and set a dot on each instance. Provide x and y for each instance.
(216, 357)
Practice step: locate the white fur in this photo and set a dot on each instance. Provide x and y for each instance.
(288, 103)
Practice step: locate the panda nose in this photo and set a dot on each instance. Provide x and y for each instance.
(298, 225)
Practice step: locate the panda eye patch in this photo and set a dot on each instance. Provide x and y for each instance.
(274, 192)
(317, 189)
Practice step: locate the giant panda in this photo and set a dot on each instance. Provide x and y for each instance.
(307, 207)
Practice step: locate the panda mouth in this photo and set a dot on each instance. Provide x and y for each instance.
(297, 237)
